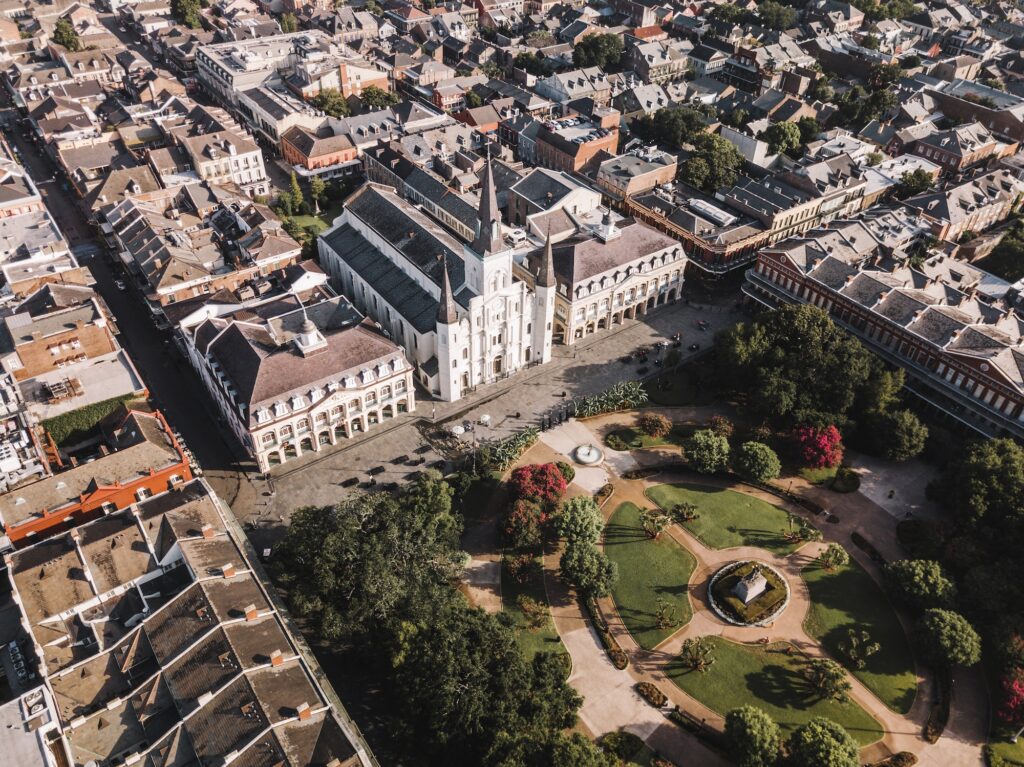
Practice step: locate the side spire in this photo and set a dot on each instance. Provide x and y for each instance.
(446, 314)
(546, 275)
(488, 237)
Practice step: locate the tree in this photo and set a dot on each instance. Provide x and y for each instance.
(828, 678)
(473, 100)
(575, 750)
(822, 90)
(580, 520)
(776, 15)
(822, 743)
(289, 23)
(757, 462)
(884, 75)
(870, 42)
(587, 568)
(1011, 703)
(378, 98)
(64, 34)
(532, 63)
(913, 61)
(732, 14)
(754, 738)
(913, 183)
(946, 639)
(896, 435)
(187, 12)
(534, 613)
(317, 190)
(721, 162)
(523, 524)
(708, 452)
(697, 654)
(858, 647)
(598, 50)
(539, 482)
(809, 129)
(819, 448)
(986, 485)
(794, 365)
(654, 522)
(655, 425)
(295, 194)
(674, 126)
(833, 556)
(331, 102)
(874, 159)
(920, 584)
(781, 137)
(721, 426)
(665, 615)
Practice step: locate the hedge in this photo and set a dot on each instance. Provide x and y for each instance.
(78, 425)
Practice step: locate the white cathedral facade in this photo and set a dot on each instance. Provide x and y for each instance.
(457, 309)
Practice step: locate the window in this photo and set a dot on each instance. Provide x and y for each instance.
(262, 415)
(280, 409)
(269, 438)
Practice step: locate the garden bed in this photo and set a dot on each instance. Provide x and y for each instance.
(762, 608)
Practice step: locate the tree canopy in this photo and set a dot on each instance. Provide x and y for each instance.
(64, 34)
(708, 452)
(775, 15)
(919, 584)
(822, 743)
(187, 12)
(946, 638)
(914, 182)
(331, 102)
(378, 98)
(714, 163)
(754, 738)
(598, 50)
(757, 462)
(782, 137)
(672, 126)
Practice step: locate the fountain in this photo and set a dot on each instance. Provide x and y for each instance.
(588, 455)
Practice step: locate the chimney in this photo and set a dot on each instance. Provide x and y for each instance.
(251, 613)
(228, 570)
(208, 531)
(276, 658)
(304, 711)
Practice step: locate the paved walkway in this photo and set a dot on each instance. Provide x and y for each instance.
(611, 703)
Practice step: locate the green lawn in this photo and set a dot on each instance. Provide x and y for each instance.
(648, 569)
(1000, 744)
(771, 680)
(727, 518)
(544, 639)
(634, 438)
(848, 597)
(327, 215)
(822, 476)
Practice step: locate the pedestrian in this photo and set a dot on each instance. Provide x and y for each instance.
(892, 494)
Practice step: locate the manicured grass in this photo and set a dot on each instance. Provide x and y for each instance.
(531, 641)
(822, 476)
(327, 215)
(767, 678)
(1000, 746)
(648, 569)
(727, 518)
(635, 439)
(847, 597)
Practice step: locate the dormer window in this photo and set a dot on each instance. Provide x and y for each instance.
(298, 401)
(280, 409)
(262, 415)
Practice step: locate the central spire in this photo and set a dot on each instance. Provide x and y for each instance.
(446, 313)
(488, 236)
(546, 275)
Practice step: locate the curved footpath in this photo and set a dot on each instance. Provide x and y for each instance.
(611, 703)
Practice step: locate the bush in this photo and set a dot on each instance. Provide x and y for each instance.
(80, 424)
(708, 452)
(538, 482)
(615, 442)
(819, 448)
(655, 425)
(621, 396)
(757, 462)
(523, 524)
(846, 480)
(721, 426)
(604, 493)
(567, 471)
(622, 745)
(651, 694)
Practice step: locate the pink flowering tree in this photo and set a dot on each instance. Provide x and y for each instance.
(538, 482)
(819, 448)
(1011, 709)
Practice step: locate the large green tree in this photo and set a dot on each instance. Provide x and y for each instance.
(919, 584)
(896, 435)
(187, 12)
(822, 743)
(64, 34)
(673, 126)
(753, 737)
(714, 163)
(331, 102)
(946, 639)
(986, 485)
(796, 366)
(580, 520)
(378, 98)
(913, 183)
(781, 137)
(775, 15)
(708, 452)
(587, 568)
(598, 50)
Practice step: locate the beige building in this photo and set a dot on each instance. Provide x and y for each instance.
(228, 157)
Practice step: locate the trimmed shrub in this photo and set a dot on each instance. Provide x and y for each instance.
(651, 694)
(708, 452)
(655, 425)
(622, 745)
(757, 462)
(567, 470)
(721, 426)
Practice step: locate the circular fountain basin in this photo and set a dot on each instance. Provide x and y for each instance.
(588, 455)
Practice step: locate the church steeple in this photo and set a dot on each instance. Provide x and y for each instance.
(488, 237)
(446, 314)
(546, 275)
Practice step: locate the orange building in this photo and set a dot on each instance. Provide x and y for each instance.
(143, 458)
(319, 153)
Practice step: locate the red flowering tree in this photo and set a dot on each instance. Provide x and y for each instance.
(1011, 709)
(541, 482)
(819, 448)
(523, 524)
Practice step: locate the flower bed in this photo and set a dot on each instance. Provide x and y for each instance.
(651, 694)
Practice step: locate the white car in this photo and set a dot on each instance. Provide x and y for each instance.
(119, 284)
